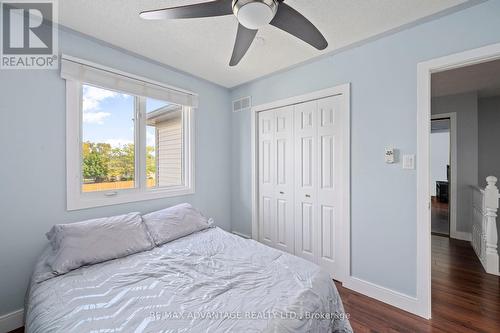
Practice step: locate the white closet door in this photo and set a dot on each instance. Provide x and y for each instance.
(328, 200)
(306, 231)
(284, 196)
(300, 188)
(267, 162)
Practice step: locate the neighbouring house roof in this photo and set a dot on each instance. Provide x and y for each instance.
(162, 114)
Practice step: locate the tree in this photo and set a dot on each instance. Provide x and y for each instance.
(94, 167)
(95, 160)
(103, 162)
(122, 162)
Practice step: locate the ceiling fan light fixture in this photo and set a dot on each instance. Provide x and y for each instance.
(251, 15)
(254, 14)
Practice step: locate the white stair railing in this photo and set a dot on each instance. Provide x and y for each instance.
(484, 227)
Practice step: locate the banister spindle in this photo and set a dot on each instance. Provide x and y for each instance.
(491, 196)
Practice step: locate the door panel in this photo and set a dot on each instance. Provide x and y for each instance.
(283, 194)
(306, 230)
(328, 196)
(281, 156)
(306, 158)
(281, 218)
(307, 115)
(327, 233)
(326, 163)
(267, 161)
(267, 219)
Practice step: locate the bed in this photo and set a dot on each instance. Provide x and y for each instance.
(209, 281)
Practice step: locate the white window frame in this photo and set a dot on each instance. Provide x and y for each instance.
(76, 199)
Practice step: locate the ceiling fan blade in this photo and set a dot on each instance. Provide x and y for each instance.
(244, 38)
(204, 9)
(291, 21)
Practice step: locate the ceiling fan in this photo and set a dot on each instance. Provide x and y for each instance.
(251, 15)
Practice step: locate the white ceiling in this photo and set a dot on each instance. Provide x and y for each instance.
(482, 78)
(203, 46)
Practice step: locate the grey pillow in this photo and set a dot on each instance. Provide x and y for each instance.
(43, 270)
(175, 222)
(93, 241)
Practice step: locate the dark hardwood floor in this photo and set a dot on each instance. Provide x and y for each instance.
(464, 297)
(440, 217)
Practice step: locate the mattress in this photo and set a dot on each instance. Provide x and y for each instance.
(210, 281)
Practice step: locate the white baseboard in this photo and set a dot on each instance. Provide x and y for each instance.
(466, 236)
(11, 321)
(241, 234)
(385, 295)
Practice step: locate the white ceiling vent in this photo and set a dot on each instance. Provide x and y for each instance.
(242, 104)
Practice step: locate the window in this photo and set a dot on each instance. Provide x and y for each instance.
(128, 139)
(165, 149)
(108, 140)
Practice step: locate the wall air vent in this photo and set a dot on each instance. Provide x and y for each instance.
(242, 104)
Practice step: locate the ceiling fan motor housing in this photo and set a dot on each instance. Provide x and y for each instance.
(254, 14)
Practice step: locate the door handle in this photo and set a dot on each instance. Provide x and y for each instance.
(308, 195)
(281, 192)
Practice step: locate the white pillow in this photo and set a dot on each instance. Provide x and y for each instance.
(93, 241)
(175, 222)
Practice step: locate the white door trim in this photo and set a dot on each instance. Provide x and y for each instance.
(453, 171)
(424, 71)
(345, 168)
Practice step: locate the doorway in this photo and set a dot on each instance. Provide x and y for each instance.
(440, 176)
(425, 264)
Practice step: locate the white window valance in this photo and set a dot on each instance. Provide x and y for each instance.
(83, 71)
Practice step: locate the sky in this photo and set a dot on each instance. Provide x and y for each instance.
(108, 116)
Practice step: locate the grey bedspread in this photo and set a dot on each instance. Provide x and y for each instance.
(210, 281)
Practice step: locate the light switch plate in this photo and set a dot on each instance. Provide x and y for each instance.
(409, 161)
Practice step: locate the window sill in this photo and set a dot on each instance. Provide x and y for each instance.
(84, 201)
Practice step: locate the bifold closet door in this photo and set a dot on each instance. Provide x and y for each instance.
(267, 165)
(329, 194)
(276, 197)
(284, 184)
(316, 197)
(306, 151)
(299, 192)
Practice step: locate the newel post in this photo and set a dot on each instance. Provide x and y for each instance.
(491, 196)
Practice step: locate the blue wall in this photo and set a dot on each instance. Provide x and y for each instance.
(383, 97)
(32, 163)
(383, 77)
